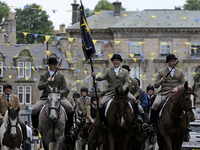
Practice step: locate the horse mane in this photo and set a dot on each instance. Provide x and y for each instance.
(177, 93)
(5, 118)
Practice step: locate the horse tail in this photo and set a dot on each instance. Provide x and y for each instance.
(62, 143)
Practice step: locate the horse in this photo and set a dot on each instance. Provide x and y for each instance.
(171, 126)
(10, 131)
(52, 120)
(120, 120)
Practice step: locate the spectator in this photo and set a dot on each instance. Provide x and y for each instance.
(151, 97)
(29, 135)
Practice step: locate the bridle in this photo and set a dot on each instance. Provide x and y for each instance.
(53, 108)
(9, 126)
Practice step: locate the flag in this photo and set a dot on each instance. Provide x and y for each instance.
(87, 43)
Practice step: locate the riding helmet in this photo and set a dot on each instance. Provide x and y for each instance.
(150, 87)
(138, 81)
(94, 98)
(6, 85)
(84, 89)
(76, 95)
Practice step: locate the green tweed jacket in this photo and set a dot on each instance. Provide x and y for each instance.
(134, 87)
(114, 80)
(59, 81)
(81, 108)
(170, 83)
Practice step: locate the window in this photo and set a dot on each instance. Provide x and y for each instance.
(191, 75)
(22, 71)
(1, 89)
(195, 48)
(28, 71)
(98, 47)
(165, 48)
(135, 48)
(135, 73)
(24, 93)
(98, 83)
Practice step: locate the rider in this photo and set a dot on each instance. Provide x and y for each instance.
(11, 100)
(115, 76)
(83, 102)
(76, 96)
(134, 88)
(91, 115)
(56, 81)
(172, 83)
(151, 97)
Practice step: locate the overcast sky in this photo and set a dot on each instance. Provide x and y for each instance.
(63, 17)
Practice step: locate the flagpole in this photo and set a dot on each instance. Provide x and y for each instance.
(95, 90)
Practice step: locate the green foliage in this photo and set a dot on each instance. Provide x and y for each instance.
(192, 5)
(32, 21)
(105, 5)
(4, 10)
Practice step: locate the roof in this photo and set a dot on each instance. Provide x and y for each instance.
(36, 51)
(143, 19)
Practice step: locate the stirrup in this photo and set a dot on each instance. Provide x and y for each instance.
(35, 132)
(151, 128)
(189, 129)
(139, 119)
(152, 138)
(145, 126)
(26, 143)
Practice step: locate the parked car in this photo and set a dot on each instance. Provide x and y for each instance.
(194, 142)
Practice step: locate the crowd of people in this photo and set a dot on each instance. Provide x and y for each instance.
(83, 106)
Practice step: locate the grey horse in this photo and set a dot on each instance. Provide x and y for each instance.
(52, 120)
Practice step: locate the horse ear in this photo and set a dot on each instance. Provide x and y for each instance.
(8, 110)
(51, 89)
(193, 87)
(126, 91)
(18, 109)
(186, 85)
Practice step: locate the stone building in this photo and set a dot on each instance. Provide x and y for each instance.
(21, 66)
(149, 35)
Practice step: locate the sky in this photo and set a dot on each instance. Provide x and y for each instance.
(62, 16)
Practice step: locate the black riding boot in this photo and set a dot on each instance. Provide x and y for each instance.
(35, 121)
(188, 129)
(144, 122)
(26, 142)
(152, 127)
(69, 129)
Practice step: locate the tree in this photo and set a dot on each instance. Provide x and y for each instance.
(4, 11)
(105, 5)
(35, 21)
(192, 5)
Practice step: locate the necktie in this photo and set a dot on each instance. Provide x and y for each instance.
(7, 97)
(84, 100)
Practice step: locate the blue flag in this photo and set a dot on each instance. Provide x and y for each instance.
(87, 43)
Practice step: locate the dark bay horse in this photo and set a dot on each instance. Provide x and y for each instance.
(10, 131)
(52, 120)
(120, 120)
(171, 127)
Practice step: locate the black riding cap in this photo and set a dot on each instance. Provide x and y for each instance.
(94, 98)
(76, 95)
(52, 60)
(84, 89)
(170, 57)
(126, 67)
(117, 56)
(150, 87)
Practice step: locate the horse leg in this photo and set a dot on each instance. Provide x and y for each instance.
(125, 141)
(167, 143)
(45, 144)
(111, 142)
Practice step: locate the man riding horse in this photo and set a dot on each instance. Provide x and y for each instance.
(11, 100)
(56, 81)
(115, 76)
(170, 84)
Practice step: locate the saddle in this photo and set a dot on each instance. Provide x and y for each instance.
(1, 122)
(161, 106)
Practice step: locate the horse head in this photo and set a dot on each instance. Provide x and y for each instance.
(12, 119)
(189, 101)
(121, 104)
(53, 103)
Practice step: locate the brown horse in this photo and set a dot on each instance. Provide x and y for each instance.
(138, 138)
(120, 121)
(171, 127)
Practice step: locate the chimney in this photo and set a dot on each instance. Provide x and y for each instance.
(62, 28)
(74, 12)
(117, 11)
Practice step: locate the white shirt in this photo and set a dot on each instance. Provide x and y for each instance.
(115, 69)
(51, 73)
(172, 72)
(29, 132)
(9, 97)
